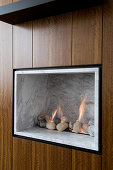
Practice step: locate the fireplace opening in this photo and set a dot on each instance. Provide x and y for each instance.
(58, 105)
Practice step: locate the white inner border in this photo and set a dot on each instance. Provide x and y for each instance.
(95, 70)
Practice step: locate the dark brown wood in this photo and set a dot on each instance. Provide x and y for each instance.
(87, 36)
(85, 161)
(52, 41)
(22, 58)
(51, 48)
(27, 10)
(22, 154)
(5, 96)
(87, 27)
(49, 157)
(39, 156)
(86, 49)
(107, 90)
(22, 45)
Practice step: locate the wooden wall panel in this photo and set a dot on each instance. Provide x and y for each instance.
(5, 2)
(5, 96)
(22, 154)
(52, 41)
(107, 94)
(51, 48)
(55, 40)
(86, 49)
(85, 161)
(22, 58)
(87, 36)
(22, 45)
(49, 157)
(39, 156)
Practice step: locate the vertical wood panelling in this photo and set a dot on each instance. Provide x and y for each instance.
(52, 41)
(55, 40)
(22, 45)
(87, 35)
(86, 49)
(58, 158)
(22, 58)
(107, 94)
(51, 47)
(22, 154)
(39, 156)
(5, 96)
(49, 157)
(85, 161)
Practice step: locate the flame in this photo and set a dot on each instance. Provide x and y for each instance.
(53, 114)
(58, 111)
(82, 131)
(50, 121)
(81, 109)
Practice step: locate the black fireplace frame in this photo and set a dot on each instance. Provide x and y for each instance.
(99, 116)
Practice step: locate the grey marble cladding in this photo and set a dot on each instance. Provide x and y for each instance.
(41, 93)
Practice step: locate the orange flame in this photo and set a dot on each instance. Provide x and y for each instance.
(82, 130)
(81, 109)
(58, 111)
(50, 121)
(53, 114)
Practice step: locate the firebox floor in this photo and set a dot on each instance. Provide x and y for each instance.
(67, 138)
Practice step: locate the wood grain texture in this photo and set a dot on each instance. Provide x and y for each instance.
(5, 2)
(85, 161)
(49, 157)
(87, 36)
(22, 154)
(39, 156)
(107, 94)
(22, 45)
(52, 41)
(86, 49)
(51, 47)
(22, 57)
(5, 96)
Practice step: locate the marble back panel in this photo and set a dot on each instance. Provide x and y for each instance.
(41, 93)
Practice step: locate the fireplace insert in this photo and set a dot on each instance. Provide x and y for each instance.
(60, 105)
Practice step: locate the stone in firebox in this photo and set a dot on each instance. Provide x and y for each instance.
(41, 117)
(57, 121)
(50, 125)
(42, 123)
(71, 125)
(64, 119)
(76, 127)
(62, 126)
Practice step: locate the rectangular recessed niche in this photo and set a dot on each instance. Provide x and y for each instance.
(58, 105)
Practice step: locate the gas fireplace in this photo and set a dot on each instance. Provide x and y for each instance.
(59, 105)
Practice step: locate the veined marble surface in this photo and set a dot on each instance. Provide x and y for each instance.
(42, 93)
